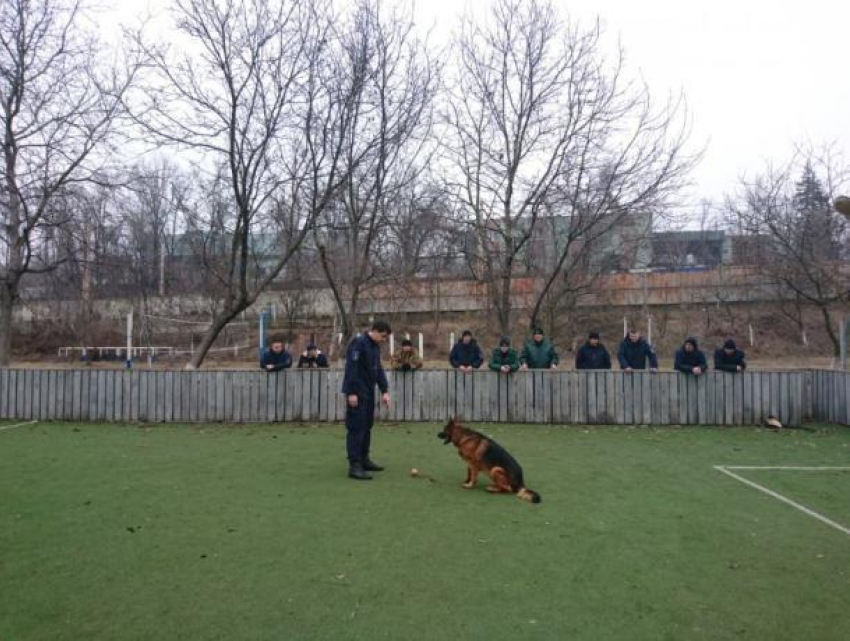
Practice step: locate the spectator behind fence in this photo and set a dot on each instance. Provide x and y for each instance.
(690, 359)
(635, 351)
(593, 355)
(729, 358)
(466, 355)
(504, 358)
(407, 359)
(312, 358)
(276, 358)
(538, 353)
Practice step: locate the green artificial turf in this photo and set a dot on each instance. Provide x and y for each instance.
(254, 532)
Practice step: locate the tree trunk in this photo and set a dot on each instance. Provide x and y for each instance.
(7, 306)
(503, 304)
(219, 323)
(833, 337)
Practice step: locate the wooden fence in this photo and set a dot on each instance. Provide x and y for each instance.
(831, 396)
(663, 398)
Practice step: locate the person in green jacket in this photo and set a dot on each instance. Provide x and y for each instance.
(538, 353)
(504, 358)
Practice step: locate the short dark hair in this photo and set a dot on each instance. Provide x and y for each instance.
(276, 339)
(382, 327)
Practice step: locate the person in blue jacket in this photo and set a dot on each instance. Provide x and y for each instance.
(276, 358)
(363, 372)
(593, 355)
(690, 359)
(466, 355)
(634, 352)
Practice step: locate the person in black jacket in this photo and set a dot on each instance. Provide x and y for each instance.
(690, 359)
(363, 371)
(466, 355)
(634, 352)
(593, 355)
(729, 358)
(276, 358)
(312, 358)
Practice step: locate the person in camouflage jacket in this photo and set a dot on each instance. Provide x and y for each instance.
(407, 359)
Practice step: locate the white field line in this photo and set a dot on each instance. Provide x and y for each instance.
(9, 427)
(784, 499)
(782, 467)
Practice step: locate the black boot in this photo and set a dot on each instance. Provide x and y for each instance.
(371, 466)
(356, 471)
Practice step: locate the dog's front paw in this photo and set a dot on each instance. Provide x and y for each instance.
(467, 485)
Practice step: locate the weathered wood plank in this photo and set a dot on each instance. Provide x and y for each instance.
(4, 393)
(729, 399)
(612, 398)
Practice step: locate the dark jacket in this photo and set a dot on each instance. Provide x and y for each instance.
(466, 354)
(634, 355)
(729, 362)
(540, 355)
(590, 357)
(280, 361)
(363, 368)
(498, 359)
(319, 360)
(686, 361)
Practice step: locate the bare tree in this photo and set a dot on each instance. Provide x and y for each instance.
(384, 151)
(542, 126)
(60, 106)
(256, 98)
(803, 248)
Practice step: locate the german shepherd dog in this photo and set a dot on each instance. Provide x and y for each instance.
(483, 454)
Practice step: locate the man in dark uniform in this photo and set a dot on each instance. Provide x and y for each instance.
(363, 371)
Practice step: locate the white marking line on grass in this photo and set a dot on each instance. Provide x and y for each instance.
(9, 427)
(781, 467)
(784, 499)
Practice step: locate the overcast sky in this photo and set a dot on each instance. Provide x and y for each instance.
(758, 75)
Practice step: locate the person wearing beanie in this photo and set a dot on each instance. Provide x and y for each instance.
(407, 359)
(729, 358)
(538, 352)
(593, 355)
(635, 351)
(504, 358)
(312, 358)
(466, 355)
(689, 359)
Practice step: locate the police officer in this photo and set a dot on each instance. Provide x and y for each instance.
(363, 371)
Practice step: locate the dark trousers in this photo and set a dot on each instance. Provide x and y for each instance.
(358, 426)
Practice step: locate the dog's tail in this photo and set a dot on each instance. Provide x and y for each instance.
(528, 495)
